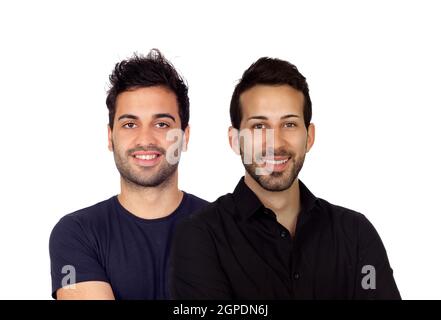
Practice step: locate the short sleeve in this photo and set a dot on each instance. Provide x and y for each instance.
(73, 257)
(375, 276)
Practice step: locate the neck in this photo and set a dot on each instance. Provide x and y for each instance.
(285, 204)
(151, 202)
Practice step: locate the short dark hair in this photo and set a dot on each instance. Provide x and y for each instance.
(270, 71)
(147, 71)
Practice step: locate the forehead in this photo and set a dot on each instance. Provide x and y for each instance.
(146, 101)
(271, 101)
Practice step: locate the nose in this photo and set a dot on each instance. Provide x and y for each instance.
(274, 139)
(146, 136)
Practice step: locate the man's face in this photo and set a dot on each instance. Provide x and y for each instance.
(277, 154)
(138, 139)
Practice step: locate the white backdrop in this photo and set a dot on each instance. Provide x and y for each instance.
(374, 73)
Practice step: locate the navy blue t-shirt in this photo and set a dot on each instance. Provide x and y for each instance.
(105, 242)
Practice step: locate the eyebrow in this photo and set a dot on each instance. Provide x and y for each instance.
(266, 118)
(289, 116)
(164, 115)
(127, 116)
(155, 116)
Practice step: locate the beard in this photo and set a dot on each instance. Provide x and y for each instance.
(143, 176)
(277, 181)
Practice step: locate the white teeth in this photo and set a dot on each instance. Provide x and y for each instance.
(146, 156)
(276, 162)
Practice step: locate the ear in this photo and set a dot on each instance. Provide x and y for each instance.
(186, 138)
(109, 139)
(233, 138)
(311, 137)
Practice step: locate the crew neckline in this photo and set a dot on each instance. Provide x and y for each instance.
(130, 215)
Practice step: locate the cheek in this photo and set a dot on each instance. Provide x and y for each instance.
(299, 145)
(255, 143)
(175, 141)
(121, 143)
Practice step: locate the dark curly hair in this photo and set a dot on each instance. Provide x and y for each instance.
(147, 71)
(270, 71)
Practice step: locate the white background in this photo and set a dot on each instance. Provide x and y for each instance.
(374, 73)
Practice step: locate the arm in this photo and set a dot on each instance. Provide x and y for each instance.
(88, 290)
(375, 276)
(76, 270)
(196, 271)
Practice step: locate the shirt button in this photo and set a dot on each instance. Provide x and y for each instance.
(296, 276)
(283, 234)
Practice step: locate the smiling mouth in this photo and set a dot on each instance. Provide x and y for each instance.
(146, 156)
(276, 162)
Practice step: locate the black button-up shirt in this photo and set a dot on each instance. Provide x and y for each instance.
(236, 249)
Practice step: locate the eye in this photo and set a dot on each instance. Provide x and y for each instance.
(162, 125)
(290, 125)
(129, 125)
(259, 126)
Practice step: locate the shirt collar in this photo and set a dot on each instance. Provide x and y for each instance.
(247, 203)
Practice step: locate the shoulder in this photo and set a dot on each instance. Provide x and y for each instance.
(337, 212)
(200, 229)
(194, 203)
(353, 223)
(211, 214)
(84, 221)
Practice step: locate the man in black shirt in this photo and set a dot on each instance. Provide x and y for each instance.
(272, 238)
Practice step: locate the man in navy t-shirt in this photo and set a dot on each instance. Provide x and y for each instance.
(119, 248)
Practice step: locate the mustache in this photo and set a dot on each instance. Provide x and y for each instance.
(150, 147)
(276, 153)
